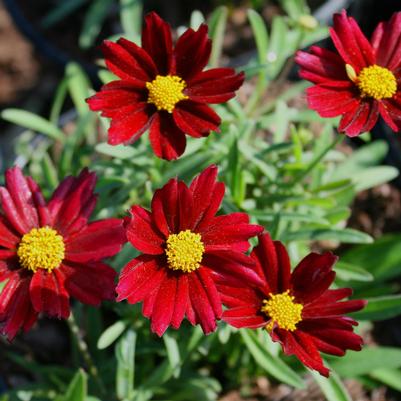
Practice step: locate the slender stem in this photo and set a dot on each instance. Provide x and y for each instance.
(83, 348)
(317, 160)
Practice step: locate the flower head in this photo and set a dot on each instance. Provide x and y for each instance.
(360, 81)
(298, 309)
(49, 251)
(184, 245)
(163, 88)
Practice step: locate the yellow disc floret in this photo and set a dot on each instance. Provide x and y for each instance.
(184, 251)
(41, 248)
(377, 82)
(282, 309)
(166, 91)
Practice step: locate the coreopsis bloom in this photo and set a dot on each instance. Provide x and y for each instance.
(362, 81)
(298, 309)
(50, 252)
(183, 243)
(163, 88)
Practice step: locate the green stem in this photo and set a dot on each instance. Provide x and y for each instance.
(83, 348)
(317, 160)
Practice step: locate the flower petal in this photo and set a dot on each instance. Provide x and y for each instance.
(245, 316)
(181, 301)
(313, 275)
(157, 42)
(48, 293)
(98, 240)
(192, 52)
(167, 140)
(361, 119)
(196, 119)
(8, 237)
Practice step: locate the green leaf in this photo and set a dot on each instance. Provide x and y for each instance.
(173, 353)
(271, 364)
(380, 308)
(131, 18)
(125, 354)
(217, 27)
(389, 377)
(119, 151)
(77, 389)
(93, 21)
(33, 122)
(346, 235)
(370, 358)
(60, 12)
(288, 216)
(373, 176)
(332, 387)
(111, 334)
(260, 34)
(78, 85)
(349, 272)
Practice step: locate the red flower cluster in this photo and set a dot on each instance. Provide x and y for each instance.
(298, 309)
(49, 252)
(184, 244)
(362, 81)
(163, 88)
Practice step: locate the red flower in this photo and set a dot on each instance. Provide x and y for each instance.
(362, 81)
(162, 88)
(183, 245)
(49, 252)
(297, 309)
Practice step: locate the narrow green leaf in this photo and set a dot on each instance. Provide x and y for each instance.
(125, 354)
(217, 27)
(390, 377)
(373, 176)
(93, 21)
(380, 308)
(260, 34)
(77, 389)
(271, 364)
(349, 272)
(332, 387)
(33, 122)
(119, 151)
(78, 85)
(173, 353)
(346, 235)
(111, 334)
(363, 362)
(131, 18)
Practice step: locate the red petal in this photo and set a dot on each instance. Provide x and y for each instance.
(139, 278)
(350, 42)
(204, 276)
(8, 238)
(387, 42)
(217, 85)
(207, 195)
(192, 52)
(40, 203)
(122, 63)
(48, 293)
(321, 65)
(11, 212)
(387, 117)
(164, 305)
(205, 315)
(98, 240)
(157, 42)
(143, 234)
(239, 296)
(196, 119)
(360, 120)
(16, 311)
(313, 275)
(181, 301)
(229, 232)
(129, 125)
(331, 102)
(332, 309)
(91, 283)
(245, 316)
(167, 140)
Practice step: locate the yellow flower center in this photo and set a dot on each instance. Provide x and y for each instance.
(374, 81)
(184, 251)
(41, 248)
(166, 91)
(282, 310)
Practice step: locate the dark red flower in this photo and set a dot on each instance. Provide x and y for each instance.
(49, 252)
(163, 88)
(362, 81)
(183, 244)
(297, 309)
